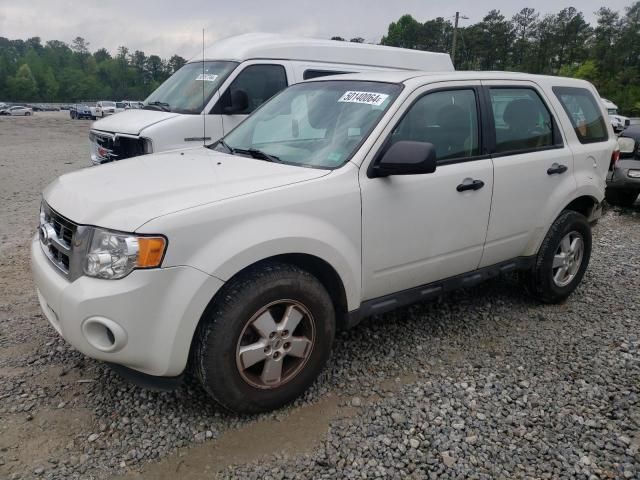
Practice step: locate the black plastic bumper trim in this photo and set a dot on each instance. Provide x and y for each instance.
(144, 380)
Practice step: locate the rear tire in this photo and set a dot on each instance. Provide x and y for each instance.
(562, 259)
(621, 198)
(265, 339)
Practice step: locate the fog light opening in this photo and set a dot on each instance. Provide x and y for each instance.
(104, 334)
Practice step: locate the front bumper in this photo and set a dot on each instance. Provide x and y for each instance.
(151, 314)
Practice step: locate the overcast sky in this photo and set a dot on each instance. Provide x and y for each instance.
(165, 27)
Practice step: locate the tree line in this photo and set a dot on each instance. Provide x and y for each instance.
(607, 53)
(562, 43)
(58, 72)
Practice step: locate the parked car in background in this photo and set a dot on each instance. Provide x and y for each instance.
(340, 198)
(120, 107)
(618, 122)
(623, 180)
(17, 110)
(104, 108)
(80, 111)
(239, 74)
(131, 104)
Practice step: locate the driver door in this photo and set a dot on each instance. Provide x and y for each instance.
(253, 85)
(417, 229)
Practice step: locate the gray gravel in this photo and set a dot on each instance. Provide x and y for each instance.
(483, 383)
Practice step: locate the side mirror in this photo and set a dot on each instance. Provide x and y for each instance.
(239, 103)
(406, 158)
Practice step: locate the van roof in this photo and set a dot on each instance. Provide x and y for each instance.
(273, 46)
(432, 77)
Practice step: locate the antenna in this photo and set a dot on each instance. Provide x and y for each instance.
(204, 113)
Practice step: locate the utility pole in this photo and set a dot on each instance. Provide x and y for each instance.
(455, 38)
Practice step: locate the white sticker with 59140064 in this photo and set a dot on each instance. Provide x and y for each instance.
(207, 77)
(368, 98)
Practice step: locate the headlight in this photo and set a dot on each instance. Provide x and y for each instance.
(114, 255)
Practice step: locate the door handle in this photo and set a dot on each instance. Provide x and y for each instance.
(470, 184)
(556, 169)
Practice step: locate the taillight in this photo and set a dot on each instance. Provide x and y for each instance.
(615, 156)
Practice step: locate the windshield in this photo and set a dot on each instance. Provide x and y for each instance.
(119, 105)
(315, 124)
(108, 104)
(185, 90)
(612, 111)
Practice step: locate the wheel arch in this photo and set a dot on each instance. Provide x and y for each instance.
(587, 205)
(318, 267)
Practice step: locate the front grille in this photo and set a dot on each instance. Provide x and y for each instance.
(108, 147)
(56, 238)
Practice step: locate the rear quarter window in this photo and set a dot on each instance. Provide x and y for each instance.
(582, 109)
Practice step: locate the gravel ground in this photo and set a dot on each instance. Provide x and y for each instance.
(484, 383)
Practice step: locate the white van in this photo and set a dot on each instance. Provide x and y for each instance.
(204, 100)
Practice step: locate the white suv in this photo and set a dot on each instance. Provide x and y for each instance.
(338, 199)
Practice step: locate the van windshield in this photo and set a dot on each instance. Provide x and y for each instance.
(185, 90)
(315, 124)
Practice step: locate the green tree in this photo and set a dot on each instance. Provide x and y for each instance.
(403, 33)
(175, 63)
(524, 24)
(22, 87)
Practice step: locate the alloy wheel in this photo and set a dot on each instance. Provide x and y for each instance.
(275, 344)
(568, 259)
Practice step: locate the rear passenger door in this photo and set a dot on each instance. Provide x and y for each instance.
(533, 168)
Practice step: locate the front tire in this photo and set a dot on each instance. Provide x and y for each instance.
(265, 339)
(562, 259)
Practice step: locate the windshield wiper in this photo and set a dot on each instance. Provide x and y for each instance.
(162, 106)
(258, 154)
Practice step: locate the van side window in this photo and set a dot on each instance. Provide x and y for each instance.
(584, 113)
(309, 74)
(258, 83)
(522, 121)
(447, 119)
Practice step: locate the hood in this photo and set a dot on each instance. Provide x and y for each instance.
(125, 195)
(132, 122)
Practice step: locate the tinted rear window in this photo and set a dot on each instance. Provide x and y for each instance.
(583, 111)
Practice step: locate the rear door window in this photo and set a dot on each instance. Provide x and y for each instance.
(583, 112)
(522, 121)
